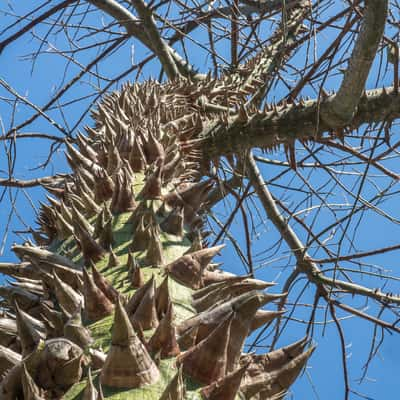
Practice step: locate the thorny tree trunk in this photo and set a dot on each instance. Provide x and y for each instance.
(119, 298)
(124, 291)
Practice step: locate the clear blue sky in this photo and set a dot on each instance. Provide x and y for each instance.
(324, 377)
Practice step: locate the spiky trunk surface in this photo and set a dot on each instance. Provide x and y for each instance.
(119, 299)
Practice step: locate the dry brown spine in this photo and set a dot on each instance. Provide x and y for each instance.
(97, 358)
(68, 275)
(128, 365)
(189, 268)
(85, 147)
(154, 255)
(225, 388)
(153, 185)
(103, 284)
(90, 204)
(229, 289)
(106, 235)
(188, 338)
(164, 338)
(90, 392)
(274, 359)
(64, 229)
(91, 250)
(60, 364)
(123, 198)
(23, 269)
(206, 362)
(97, 305)
(174, 222)
(136, 275)
(82, 221)
(263, 317)
(113, 260)
(137, 297)
(53, 320)
(274, 382)
(175, 389)
(36, 253)
(8, 359)
(76, 332)
(27, 333)
(104, 186)
(30, 390)
(146, 313)
(67, 298)
(141, 236)
(11, 384)
(162, 298)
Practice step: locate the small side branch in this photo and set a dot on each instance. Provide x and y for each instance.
(33, 106)
(36, 21)
(12, 182)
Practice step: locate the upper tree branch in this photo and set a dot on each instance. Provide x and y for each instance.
(340, 109)
(288, 123)
(361, 156)
(134, 27)
(272, 58)
(124, 17)
(159, 46)
(250, 7)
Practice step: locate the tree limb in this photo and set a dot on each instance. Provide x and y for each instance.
(134, 27)
(159, 46)
(11, 182)
(339, 110)
(287, 123)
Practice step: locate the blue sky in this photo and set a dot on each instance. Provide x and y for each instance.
(324, 376)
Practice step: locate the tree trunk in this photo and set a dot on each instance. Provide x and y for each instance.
(120, 299)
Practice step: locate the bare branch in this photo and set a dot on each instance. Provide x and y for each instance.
(362, 157)
(36, 108)
(63, 90)
(339, 110)
(34, 22)
(135, 27)
(11, 182)
(350, 257)
(159, 46)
